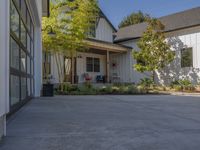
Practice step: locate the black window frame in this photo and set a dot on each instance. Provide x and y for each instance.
(29, 76)
(184, 54)
(93, 64)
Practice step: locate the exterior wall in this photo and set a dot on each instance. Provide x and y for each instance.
(81, 66)
(36, 10)
(36, 13)
(179, 40)
(121, 67)
(134, 76)
(4, 63)
(104, 31)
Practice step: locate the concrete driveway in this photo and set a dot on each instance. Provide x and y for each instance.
(106, 123)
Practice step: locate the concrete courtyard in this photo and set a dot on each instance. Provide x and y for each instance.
(106, 123)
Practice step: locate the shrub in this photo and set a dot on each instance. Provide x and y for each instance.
(182, 85)
(146, 82)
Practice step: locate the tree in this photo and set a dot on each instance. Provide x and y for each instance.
(134, 18)
(154, 53)
(70, 21)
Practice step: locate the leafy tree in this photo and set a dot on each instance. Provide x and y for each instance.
(71, 21)
(154, 53)
(134, 18)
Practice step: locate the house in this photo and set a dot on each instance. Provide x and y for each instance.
(21, 46)
(93, 62)
(110, 53)
(183, 34)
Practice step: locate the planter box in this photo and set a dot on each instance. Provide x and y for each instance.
(48, 90)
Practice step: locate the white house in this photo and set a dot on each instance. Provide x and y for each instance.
(183, 34)
(111, 56)
(20, 54)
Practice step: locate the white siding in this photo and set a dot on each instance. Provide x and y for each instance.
(104, 31)
(135, 76)
(81, 66)
(179, 40)
(122, 66)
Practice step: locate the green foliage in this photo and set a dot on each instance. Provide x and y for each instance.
(134, 18)
(146, 82)
(154, 51)
(182, 85)
(70, 21)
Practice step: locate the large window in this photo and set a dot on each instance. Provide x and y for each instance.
(186, 57)
(92, 64)
(21, 53)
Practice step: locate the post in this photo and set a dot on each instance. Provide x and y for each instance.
(72, 59)
(108, 66)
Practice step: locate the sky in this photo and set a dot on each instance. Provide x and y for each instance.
(116, 10)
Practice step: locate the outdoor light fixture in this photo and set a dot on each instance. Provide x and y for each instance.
(50, 33)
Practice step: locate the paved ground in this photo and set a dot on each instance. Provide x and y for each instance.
(106, 123)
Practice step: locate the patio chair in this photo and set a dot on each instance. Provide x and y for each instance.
(87, 77)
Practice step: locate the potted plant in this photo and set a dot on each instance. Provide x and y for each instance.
(48, 87)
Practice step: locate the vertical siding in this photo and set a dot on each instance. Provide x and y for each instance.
(184, 38)
(81, 66)
(122, 68)
(104, 31)
(135, 76)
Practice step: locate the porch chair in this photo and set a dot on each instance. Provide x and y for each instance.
(87, 77)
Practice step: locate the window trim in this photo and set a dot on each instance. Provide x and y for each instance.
(93, 64)
(192, 63)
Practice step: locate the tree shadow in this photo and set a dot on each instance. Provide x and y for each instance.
(174, 71)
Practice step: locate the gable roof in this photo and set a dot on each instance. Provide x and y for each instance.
(109, 22)
(177, 21)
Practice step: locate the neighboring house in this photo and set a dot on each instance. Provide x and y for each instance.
(183, 34)
(20, 54)
(110, 53)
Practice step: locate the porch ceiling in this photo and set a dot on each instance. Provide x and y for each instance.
(106, 46)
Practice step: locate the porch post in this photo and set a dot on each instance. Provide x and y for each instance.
(73, 70)
(108, 66)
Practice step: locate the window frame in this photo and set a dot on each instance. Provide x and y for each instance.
(93, 65)
(22, 75)
(185, 55)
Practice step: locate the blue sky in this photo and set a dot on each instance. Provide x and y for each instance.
(115, 10)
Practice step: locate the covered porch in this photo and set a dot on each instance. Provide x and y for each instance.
(95, 65)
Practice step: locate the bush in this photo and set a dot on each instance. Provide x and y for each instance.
(146, 82)
(182, 85)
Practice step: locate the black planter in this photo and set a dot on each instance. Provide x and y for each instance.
(48, 90)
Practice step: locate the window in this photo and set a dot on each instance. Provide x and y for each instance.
(21, 53)
(92, 64)
(23, 61)
(14, 90)
(14, 19)
(96, 65)
(23, 88)
(14, 54)
(23, 34)
(46, 64)
(89, 64)
(186, 57)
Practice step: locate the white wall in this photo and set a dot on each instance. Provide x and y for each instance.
(36, 12)
(134, 76)
(179, 40)
(104, 31)
(121, 68)
(4, 56)
(81, 66)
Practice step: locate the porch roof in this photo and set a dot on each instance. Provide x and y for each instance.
(107, 46)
